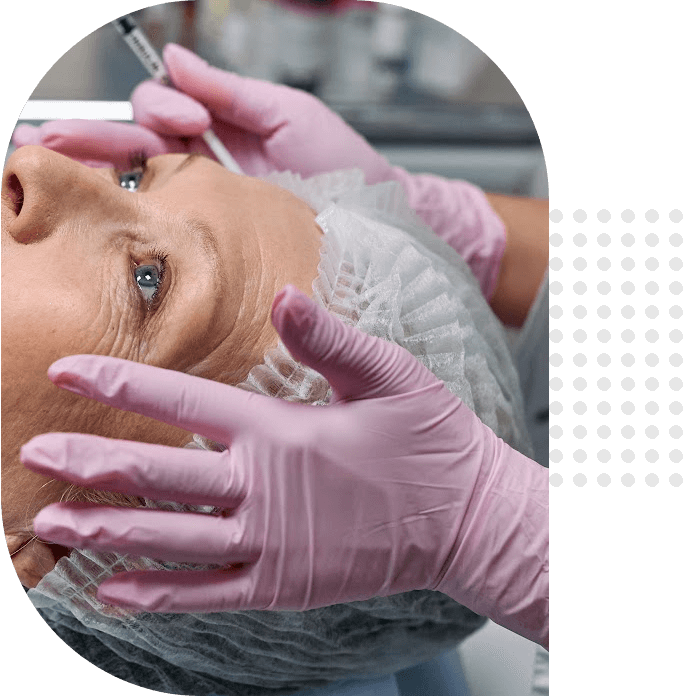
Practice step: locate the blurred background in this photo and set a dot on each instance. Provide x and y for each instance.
(421, 93)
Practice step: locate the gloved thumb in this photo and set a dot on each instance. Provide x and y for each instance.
(356, 365)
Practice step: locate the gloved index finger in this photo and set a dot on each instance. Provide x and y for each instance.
(167, 111)
(216, 411)
(247, 103)
(152, 471)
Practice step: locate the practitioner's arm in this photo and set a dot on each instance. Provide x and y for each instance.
(525, 257)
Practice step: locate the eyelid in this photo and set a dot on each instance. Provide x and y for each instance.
(152, 257)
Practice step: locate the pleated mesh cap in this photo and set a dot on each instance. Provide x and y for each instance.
(384, 272)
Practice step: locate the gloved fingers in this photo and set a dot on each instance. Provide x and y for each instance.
(102, 141)
(184, 537)
(25, 134)
(182, 591)
(214, 410)
(357, 366)
(151, 471)
(254, 105)
(167, 111)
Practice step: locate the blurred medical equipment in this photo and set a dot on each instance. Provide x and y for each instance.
(141, 47)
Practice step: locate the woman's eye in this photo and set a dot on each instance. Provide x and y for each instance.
(137, 166)
(130, 180)
(148, 279)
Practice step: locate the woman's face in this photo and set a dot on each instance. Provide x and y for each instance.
(179, 273)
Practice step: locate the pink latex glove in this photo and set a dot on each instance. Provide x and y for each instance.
(395, 486)
(270, 127)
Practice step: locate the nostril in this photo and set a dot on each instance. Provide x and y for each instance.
(16, 193)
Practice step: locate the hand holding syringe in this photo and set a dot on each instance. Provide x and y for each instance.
(139, 44)
(267, 127)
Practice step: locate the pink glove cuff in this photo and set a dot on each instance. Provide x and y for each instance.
(501, 565)
(459, 214)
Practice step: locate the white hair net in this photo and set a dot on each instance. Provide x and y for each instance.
(383, 271)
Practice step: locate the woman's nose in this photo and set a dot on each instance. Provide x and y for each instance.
(41, 189)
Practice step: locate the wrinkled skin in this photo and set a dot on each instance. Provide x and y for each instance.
(72, 238)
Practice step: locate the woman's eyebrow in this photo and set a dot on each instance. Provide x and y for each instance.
(187, 161)
(192, 157)
(151, 173)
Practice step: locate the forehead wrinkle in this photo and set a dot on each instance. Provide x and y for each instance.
(204, 234)
(131, 235)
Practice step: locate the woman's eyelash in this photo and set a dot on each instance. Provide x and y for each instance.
(137, 160)
(150, 278)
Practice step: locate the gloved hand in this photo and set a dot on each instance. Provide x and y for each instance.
(270, 127)
(394, 486)
(265, 126)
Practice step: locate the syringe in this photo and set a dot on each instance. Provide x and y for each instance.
(139, 44)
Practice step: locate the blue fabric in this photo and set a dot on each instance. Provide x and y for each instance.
(441, 676)
(379, 686)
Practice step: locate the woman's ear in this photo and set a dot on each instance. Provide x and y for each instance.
(33, 558)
